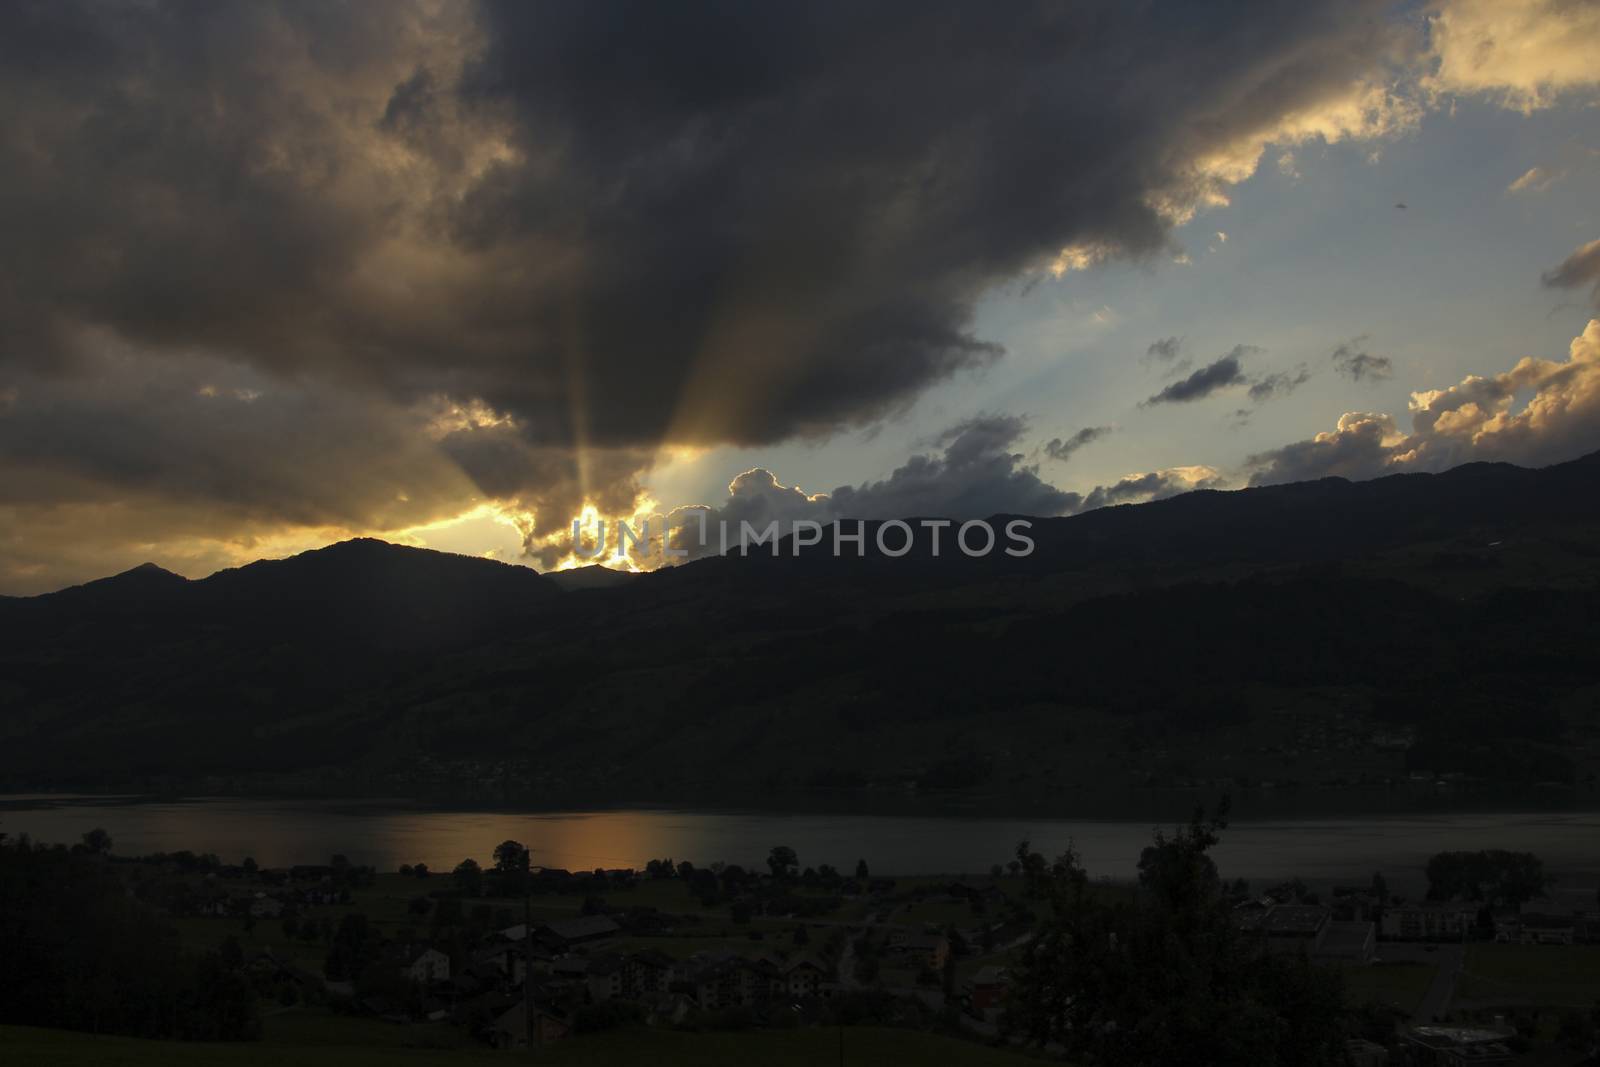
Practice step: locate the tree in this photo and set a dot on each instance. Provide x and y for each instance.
(1494, 876)
(511, 866)
(861, 871)
(782, 860)
(97, 841)
(355, 946)
(1177, 869)
(1164, 978)
(468, 877)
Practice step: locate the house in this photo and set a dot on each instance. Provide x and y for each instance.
(923, 950)
(429, 965)
(1429, 921)
(1538, 929)
(719, 985)
(988, 989)
(605, 978)
(563, 934)
(1297, 922)
(510, 1029)
(803, 977)
(649, 973)
(1448, 1046)
(725, 980)
(504, 960)
(265, 907)
(1363, 1053)
(571, 968)
(1350, 942)
(1284, 927)
(669, 1009)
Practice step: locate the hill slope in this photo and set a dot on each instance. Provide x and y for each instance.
(1327, 635)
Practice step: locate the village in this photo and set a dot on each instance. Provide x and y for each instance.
(478, 955)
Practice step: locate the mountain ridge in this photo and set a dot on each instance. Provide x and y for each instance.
(1209, 638)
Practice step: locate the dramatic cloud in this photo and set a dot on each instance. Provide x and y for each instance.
(1577, 270)
(1213, 377)
(1352, 360)
(977, 475)
(1525, 53)
(623, 223)
(1281, 383)
(1479, 419)
(1165, 350)
(507, 255)
(1156, 485)
(1061, 450)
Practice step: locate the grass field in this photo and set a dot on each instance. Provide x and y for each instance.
(1544, 975)
(863, 1047)
(1398, 985)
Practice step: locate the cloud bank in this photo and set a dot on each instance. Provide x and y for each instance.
(1539, 412)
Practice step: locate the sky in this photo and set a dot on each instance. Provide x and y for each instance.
(453, 274)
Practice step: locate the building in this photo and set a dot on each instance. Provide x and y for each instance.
(265, 907)
(563, 934)
(923, 950)
(606, 978)
(649, 973)
(802, 977)
(1347, 942)
(429, 965)
(1429, 921)
(1537, 929)
(1363, 1053)
(1284, 927)
(1450, 1046)
(510, 1028)
(988, 989)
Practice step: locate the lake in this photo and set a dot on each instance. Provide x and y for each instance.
(279, 832)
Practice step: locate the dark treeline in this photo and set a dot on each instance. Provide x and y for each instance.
(81, 953)
(1165, 976)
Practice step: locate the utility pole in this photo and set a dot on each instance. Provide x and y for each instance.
(527, 949)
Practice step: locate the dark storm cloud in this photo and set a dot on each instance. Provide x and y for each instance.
(1577, 270)
(976, 475)
(1224, 373)
(618, 222)
(1061, 450)
(1281, 383)
(1352, 360)
(1156, 485)
(206, 435)
(1165, 350)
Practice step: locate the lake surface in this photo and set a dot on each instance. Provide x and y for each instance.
(280, 832)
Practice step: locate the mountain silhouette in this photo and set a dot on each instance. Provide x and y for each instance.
(1215, 636)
